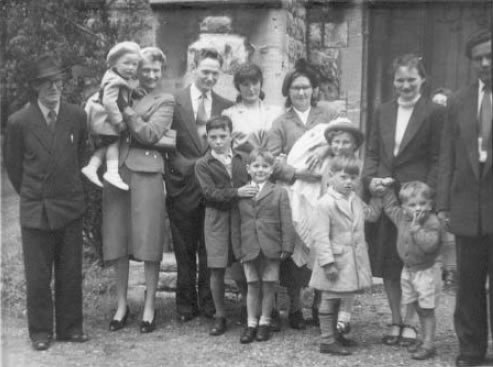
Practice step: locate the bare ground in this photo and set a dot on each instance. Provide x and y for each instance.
(175, 344)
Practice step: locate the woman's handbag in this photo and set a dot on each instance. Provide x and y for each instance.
(167, 141)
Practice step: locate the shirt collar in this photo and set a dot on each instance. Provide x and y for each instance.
(338, 195)
(196, 93)
(45, 110)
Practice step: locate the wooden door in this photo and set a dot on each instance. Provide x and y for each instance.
(435, 30)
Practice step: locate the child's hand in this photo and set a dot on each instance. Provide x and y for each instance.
(331, 271)
(285, 255)
(419, 217)
(247, 191)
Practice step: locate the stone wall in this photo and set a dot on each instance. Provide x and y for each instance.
(335, 46)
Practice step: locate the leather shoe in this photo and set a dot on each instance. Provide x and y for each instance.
(219, 327)
(334, 348)
(346, 342)
(296, 320)
(263, 333)
(392, 338)
(462, 361)
(275, 321)
(41, 344)
(78, 337)
(116, 325)
(148, 327)
(423, 353)
(248, 335)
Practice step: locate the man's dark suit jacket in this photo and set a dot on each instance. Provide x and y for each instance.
(44, 167)
(181, 182)
(464, 189)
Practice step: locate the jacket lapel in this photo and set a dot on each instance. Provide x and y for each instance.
(39, 128)
(185, 100)
(312, 117)
(388, 121)
(415, 122)
(266, 190)
(469, 126)
(292, 115)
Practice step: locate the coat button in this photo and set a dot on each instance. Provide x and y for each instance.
(147, 153)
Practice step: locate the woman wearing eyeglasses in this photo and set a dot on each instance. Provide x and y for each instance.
(300, 89)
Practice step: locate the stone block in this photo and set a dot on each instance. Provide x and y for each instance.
(315, 37)
(219, 24)
(300, 29)
(167, 281)
(168, 263)
(336, 34)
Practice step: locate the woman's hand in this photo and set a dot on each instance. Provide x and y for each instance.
(247, 191)
(331, 271)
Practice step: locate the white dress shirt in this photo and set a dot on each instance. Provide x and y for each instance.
(303, 115)
(404, 112)
(45, 110)
(196, 96)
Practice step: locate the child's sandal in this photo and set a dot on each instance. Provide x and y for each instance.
(408, 336)
(394, 336)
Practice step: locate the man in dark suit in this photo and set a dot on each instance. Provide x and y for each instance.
(465, 200)
(43, 148)
(194, 106)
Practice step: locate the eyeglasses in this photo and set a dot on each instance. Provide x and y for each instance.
(50, 82)
(300, 88)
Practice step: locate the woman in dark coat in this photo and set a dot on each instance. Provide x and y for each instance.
(403, 144)
(133, 221)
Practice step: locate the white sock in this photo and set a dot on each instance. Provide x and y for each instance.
(264, 320)
(94, 163)
(112, 167)
(252, 322)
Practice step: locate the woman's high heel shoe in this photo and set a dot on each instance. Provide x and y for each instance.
(119, 324)
(148, 327)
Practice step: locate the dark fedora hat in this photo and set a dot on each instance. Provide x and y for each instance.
(45, 67)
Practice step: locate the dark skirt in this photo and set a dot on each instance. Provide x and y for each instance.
(382, 247)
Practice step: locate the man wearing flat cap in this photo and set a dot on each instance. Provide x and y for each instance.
(42, 153)
(465, 200)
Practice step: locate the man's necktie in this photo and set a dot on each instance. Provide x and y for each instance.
(51, 119)
(201, 119)
(485, 117)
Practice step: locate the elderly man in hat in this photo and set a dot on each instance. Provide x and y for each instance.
(465, 200)
(43, 150)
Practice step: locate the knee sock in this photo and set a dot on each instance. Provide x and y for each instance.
(326, 327)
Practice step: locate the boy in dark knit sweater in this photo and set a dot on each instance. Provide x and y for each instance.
(418, 245)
